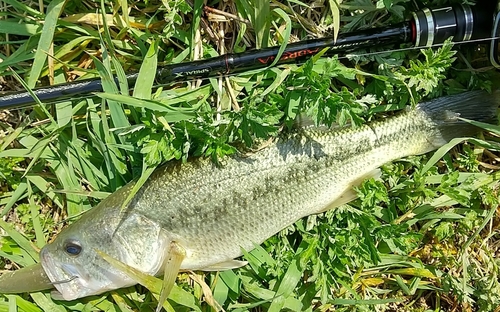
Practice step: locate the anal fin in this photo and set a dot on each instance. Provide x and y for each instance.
(226, 265)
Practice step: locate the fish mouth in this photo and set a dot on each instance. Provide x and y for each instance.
(62, 277)
(29, 279)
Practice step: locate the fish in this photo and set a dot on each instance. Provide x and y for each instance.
(199, 215)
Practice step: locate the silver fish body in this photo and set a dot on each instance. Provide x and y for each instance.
(216, 211)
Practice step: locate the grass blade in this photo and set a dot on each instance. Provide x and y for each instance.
(334, 7)
(53, 12)
(118, 115)
(144, 84)
(21, 241)
(20, 30)
(35, 219)
(46, 303)
(146, 173)
(440, 153)
(286, 35)
(173, 113)
(287, 285)
(19, 193)
(261, 15)
(21, 6)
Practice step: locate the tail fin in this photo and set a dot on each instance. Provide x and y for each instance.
(474, 105)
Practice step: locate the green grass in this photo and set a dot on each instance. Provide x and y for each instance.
(425, 238)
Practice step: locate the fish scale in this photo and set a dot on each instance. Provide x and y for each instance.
(203, 215)
(297, 176)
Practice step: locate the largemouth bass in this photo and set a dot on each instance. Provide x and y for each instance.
(213, 212)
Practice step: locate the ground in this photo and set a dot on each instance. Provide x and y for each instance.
(423, 238)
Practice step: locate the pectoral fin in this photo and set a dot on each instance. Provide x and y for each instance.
(226, 265)
(176, 255)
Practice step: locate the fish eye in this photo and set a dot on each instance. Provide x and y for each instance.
(72, 248)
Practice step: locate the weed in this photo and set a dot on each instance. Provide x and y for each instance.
(423, 238)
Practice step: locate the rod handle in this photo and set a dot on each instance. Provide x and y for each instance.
(462, 23)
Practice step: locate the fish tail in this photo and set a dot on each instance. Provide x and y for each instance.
(447, 112)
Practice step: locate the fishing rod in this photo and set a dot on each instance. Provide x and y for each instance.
(426, 28)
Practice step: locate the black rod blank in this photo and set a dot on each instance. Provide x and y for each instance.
(428, 27)
(226, 64)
